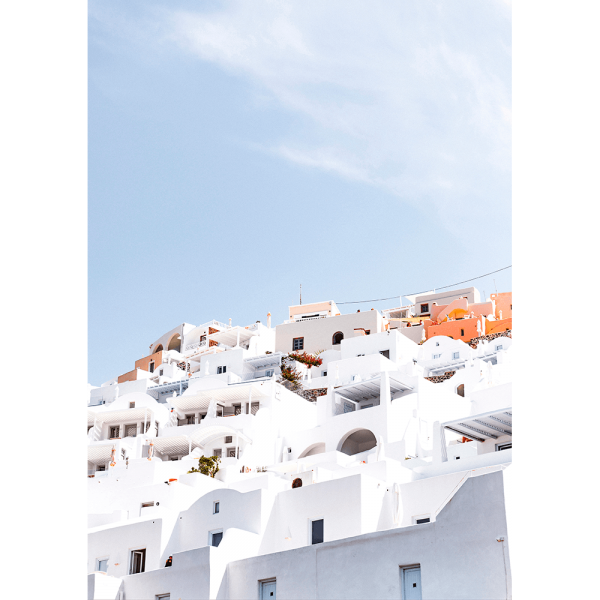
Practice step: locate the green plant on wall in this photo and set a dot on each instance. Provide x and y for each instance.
(207, 465)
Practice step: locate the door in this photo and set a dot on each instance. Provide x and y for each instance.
(412, 584)
(267, 590)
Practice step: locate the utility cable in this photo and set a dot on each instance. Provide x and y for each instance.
(426, 291)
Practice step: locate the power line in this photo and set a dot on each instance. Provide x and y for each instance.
(425, 291)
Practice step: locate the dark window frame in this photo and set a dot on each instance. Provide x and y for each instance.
(298, 343)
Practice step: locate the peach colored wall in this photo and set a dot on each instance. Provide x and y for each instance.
(438, 312)
(504, 304)
(453, 329)
(481, 308)
(302, 309)
(131, 376)
(497, 326)
(143, 363)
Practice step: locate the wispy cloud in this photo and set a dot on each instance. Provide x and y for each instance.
(411, 97)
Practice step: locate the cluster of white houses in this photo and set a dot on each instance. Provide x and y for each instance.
(381, 476)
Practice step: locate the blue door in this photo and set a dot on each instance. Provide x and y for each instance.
(412, 584)
(267, 590)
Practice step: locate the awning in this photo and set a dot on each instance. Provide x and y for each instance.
(370, 389)
(125, 415)
(177, 444)
(266, 360)
(99, 455)
(229, 337)
(485, 426)
(224, 395)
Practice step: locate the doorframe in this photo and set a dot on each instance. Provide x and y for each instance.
(404, 568)
(261, 582)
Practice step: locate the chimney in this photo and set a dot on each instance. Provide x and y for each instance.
(269, 320)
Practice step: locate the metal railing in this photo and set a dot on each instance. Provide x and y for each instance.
(201, 344)
(300, 320)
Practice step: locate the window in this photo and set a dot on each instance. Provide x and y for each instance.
(221, 370)
(385, 353)
(101, 468)
(316, 531)
(462, 332)
(191, 419)
(298, 344)
(436, 356)
(132, 405)
(217, 452)
(437, 343)
(216, 508)
(137, 561)
(231, 453)
(216, 537)
(151, 367)
(506, 446)
(147, 504)
(337, 338)
(498, 347)
(114, 432)
(421, 519)
(424, 308)
(131, 430)
(228, 439)
(324, 374)
(455, 355)
(460, 390)
(269, 373)
(102, 565)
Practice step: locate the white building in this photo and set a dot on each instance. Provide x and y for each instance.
(400, 471)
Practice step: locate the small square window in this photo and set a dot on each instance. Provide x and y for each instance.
(436, 356)
(114, 432)
(132, 405)
(102, 565)
(424, 308)
(221, 370)
(217, 452)
(216, 506)
(455, 355)
(324, 373)
(228, 439)
(498, 347)
(298, 344)
(231, 453)
(269, 373)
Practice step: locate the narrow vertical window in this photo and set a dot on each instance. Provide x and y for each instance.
(317, 531)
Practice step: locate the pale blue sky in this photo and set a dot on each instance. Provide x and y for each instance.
(238, 149)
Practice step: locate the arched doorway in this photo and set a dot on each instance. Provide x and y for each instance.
(460, 390)
(175, 343)
(157, 349)
(337, 338)
(357, 441)
(313, 449)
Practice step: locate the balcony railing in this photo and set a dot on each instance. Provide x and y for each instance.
(300, 320)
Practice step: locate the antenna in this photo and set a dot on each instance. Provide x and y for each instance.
(300, 293)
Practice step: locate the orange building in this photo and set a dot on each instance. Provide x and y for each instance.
(459, 319)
